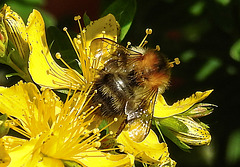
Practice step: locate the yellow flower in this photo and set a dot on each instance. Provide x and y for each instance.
(163, 110)
(4, 157)
(149, 151)
(14, 30)
(53, 131)
(46, 72)
(180, 120)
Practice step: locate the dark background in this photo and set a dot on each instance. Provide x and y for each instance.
(203, 34)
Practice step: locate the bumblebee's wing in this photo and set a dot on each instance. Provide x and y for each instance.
(140, 120)
(103, 49)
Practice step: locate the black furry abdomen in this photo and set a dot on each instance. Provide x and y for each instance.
(113, 91)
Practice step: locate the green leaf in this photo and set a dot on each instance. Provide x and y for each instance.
(208, 68)
(124, 11)
(103, 124)
(233, 149)
(86, 19)
(187, 56)
(168, 133)
(235, 51)
(197, 8)
(34, 2)
(173, 124)
(223, 2)
(24, 10)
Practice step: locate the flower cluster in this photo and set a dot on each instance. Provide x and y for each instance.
(61, 131)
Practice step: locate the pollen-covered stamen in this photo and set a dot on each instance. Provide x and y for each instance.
(59, 57)
(68, 79)
(104, 137)
(148, 31)
(157, 48)
(103, 33)
(69, 37)
(128, 44)
(176, 61)
(86, 103)
(114, 120)
(93, 109)
(78, 18)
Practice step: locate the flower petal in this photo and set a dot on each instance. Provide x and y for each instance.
(42, 67)
(106, 27)
(100, 159)
(14, 100)
(147, 151)
(162, 109)
(50, 162)
(4, 157)
(24, 102)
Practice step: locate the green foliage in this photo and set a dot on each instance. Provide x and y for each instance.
(235, 51)
(169, 134)
(124, 11)
(208, 68)
(86, 19)
(233, 148)
(25, 7)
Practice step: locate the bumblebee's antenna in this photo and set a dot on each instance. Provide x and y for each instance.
(144, 42)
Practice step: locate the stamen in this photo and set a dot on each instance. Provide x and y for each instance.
(95, 91)
(176, 61)
(69, 37)
(110, 133)
(148, 31)
(69, 93)
(145, 42)
(103, 33)
(114, 120)
(128, 44)
(93, 109)
(78, 18)
(58, 56)
(157, 48)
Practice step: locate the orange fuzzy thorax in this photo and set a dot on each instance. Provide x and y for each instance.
(153, 70)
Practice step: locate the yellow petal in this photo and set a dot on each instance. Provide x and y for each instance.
(100, 159)
(50, 162)
(22, 156)
(42, 67)
(11, 142)
(4, 157)
(24, 102)
(14, 100)
(106, 27)
(162, 109)
(147, 151)
(27, 153)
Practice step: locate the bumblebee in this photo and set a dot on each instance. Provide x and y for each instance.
(128, 84)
